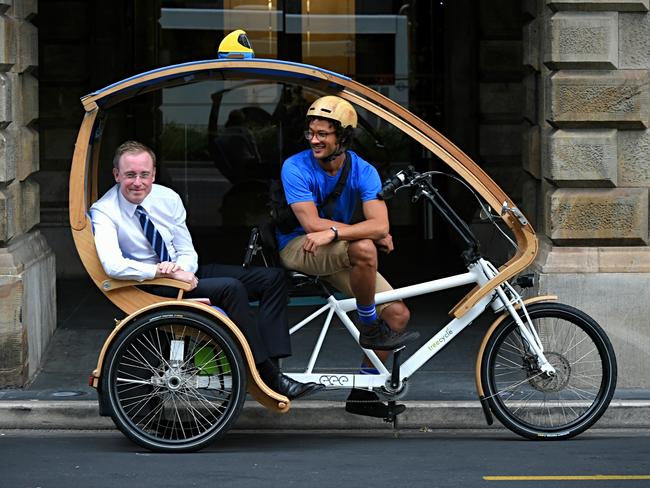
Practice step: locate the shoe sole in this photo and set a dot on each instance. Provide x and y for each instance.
(398, 409)
(384, 347)
(309, 391)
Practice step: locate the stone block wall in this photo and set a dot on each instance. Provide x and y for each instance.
(588, 102)
(27, 271)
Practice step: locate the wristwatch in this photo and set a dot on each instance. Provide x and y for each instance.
(336, 233)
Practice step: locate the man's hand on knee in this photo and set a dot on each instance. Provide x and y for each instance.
(314, 240)
(385, 244)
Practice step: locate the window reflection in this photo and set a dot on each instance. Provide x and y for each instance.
(223, 141)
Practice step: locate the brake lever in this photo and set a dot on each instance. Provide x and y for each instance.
(505, 208)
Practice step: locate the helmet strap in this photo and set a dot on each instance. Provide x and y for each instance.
(339, 150)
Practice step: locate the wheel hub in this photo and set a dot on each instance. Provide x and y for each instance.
(173, 379)
(556, 382)
(174, 382)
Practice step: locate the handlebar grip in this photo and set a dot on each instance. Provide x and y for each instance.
(390, 186)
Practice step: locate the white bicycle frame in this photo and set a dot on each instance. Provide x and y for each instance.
(504, 296)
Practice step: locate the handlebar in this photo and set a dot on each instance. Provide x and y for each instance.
(411, 178)
(393, 184)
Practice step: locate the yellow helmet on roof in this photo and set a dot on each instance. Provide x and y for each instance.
(235, 46)
(334, 108)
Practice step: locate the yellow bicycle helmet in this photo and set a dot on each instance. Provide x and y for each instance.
(334, 108)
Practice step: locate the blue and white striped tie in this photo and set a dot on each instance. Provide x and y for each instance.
(152, 234)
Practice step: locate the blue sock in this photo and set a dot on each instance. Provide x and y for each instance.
(368, 370)
(367, 313)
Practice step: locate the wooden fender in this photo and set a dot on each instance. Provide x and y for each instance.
(490, 331)
(256, 387)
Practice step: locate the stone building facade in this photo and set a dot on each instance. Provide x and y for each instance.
(588, 144)
(557, 93)
(27, 264)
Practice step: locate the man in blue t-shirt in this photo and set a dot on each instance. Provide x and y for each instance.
(328, 245)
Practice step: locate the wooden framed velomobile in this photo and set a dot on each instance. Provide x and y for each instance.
(141, 306)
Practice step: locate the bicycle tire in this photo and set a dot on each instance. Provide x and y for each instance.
(533, 405)
(175, 381)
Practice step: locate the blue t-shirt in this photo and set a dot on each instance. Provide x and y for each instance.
(305, 181)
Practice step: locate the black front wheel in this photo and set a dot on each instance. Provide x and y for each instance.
(175, 381)
(539, 406)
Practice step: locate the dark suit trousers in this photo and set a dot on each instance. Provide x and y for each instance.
(231, 288)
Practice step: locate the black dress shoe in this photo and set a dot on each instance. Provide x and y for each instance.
(364, 402)
(293, 389)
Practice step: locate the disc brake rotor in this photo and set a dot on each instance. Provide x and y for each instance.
(541, 382)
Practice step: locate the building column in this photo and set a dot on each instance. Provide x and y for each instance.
(27, 265)
(588, 145)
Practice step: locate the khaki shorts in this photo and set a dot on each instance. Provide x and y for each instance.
(330, 262)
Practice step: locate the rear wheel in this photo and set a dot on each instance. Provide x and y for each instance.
(538, 406)
(174, 381)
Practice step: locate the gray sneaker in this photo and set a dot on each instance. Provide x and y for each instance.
(382, 338)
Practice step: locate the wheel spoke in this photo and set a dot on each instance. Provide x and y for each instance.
(176, 383)
(529, 401)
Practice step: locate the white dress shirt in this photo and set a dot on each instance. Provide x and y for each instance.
(122, 247)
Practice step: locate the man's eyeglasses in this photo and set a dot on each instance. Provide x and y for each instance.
(321, 135)
(130, 175)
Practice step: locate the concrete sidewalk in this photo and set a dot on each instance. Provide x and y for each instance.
(305, 415)
(441, 395)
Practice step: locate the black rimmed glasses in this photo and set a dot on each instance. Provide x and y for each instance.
(321, 135)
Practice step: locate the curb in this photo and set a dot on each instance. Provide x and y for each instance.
(309, 415)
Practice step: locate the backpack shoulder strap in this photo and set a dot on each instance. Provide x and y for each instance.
(329, 201)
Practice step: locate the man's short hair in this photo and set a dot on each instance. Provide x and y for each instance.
(132, 147)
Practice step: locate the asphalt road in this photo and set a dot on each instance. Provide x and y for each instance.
(356, 459)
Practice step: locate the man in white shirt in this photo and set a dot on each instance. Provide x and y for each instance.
(132, 219)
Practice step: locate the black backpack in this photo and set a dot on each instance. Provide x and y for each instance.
(282, 218)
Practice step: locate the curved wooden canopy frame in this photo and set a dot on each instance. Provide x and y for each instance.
(83, 174)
